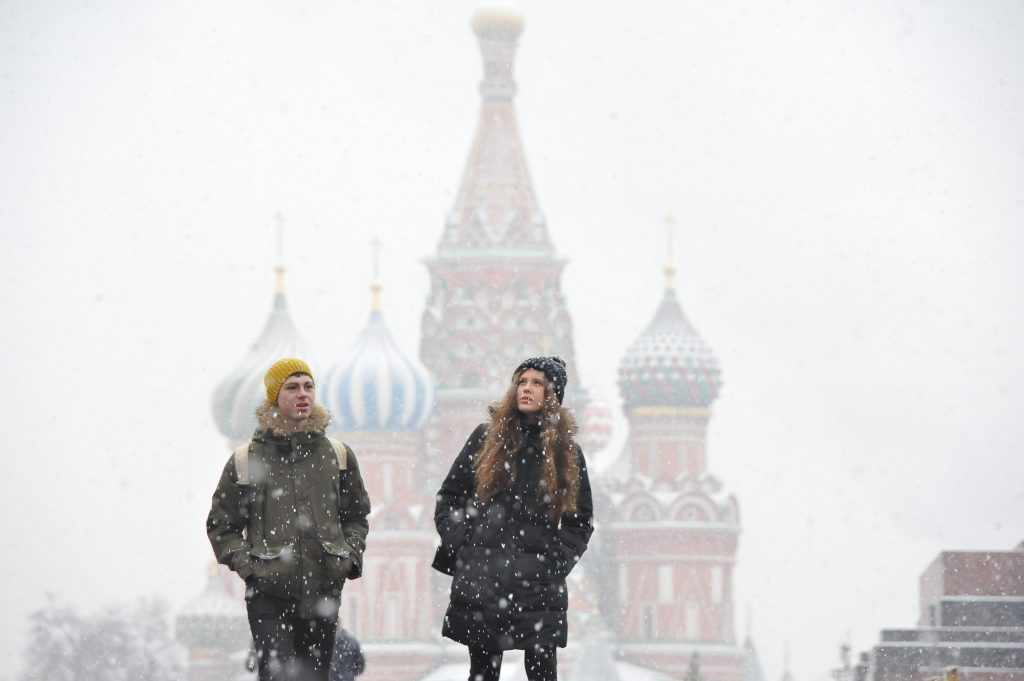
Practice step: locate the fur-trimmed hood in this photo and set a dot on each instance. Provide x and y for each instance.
(507, 433)
(564, 423)
(269, 418)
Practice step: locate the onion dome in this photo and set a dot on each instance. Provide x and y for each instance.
(241, 392)
(378, 387)
(669, 364)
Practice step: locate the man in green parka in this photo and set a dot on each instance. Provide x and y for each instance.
(289, 516)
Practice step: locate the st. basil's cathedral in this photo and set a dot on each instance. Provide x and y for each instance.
(652, 598)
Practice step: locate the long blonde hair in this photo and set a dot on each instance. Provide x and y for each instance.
(495, 466)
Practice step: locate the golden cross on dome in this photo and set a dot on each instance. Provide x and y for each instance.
(279, 268)
(670, 268)
(375, 285)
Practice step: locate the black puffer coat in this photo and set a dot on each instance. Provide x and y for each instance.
(509, 557)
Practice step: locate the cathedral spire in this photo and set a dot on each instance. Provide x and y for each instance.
(495, 280)
(497, 25)
(496, 209)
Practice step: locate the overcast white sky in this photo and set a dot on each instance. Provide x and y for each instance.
(847, 178)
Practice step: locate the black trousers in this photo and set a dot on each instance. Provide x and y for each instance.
(541, 664)
(289, 647)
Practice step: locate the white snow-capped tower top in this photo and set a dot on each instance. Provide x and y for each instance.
(497, 25)
(496, 208)
(498, 16)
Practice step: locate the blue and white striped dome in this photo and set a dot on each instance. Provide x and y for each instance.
(378, 387)
(241, 392)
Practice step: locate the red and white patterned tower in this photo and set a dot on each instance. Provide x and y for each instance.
(673, 532)
(495, 293)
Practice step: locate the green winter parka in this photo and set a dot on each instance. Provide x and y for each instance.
(298, 529)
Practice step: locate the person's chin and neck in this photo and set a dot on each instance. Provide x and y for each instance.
(295, 402)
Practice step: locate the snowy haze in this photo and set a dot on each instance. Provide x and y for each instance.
(847, 178)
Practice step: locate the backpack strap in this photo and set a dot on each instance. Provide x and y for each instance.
(340, 452)
(241, 457)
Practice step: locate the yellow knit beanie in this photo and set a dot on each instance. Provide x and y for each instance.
(281, 370)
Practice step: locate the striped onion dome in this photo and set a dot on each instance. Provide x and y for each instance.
(241, 392)
(378, 387)
(669, 364)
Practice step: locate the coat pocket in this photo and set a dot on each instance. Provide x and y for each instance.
(271, 565)
(482, 578)
(532, 566)
(339, 560)
(284, 552)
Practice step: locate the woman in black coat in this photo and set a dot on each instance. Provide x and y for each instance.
(514, 515)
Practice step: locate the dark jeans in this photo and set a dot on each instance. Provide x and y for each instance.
(288, 647)
(541, 664)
